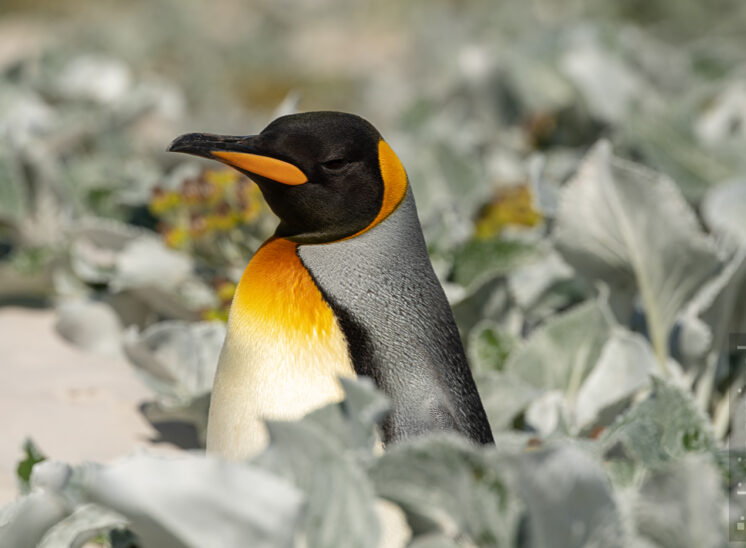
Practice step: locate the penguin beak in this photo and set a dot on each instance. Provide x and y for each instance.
(240, 153)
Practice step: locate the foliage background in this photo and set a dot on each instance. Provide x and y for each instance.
(580, 175)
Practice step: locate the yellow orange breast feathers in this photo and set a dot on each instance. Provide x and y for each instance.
(283, 354)
(277, 292)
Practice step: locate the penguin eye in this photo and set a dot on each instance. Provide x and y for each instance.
(335, 164)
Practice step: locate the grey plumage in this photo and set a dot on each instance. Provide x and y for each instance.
(399, 326)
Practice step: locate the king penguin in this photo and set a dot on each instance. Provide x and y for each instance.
(343, 288)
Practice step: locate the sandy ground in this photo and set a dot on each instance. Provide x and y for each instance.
(76, 406)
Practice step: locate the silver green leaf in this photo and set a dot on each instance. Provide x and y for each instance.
(91, 325)
(561, 353)
(529, 282)
(177, 359)
(324, 454)
(192, 502)
(503, 397)
(666, 425)
(489, 346)
(623, 368)
(569, 499)
(679, 505)
(24, 521)
(581, 368)
(341, 503)
(444, 484)
(434, 541)
(147, 262)
(82, 525)
(625, 225)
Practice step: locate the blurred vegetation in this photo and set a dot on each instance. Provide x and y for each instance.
(580, 175)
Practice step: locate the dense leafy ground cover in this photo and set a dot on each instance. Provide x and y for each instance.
(581, 179)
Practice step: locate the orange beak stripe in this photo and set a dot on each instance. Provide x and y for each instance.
(264, 166)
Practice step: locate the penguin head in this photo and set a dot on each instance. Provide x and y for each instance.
(328, 176)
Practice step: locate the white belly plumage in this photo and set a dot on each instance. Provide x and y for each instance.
(276, 377)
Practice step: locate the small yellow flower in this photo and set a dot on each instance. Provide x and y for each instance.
(511, 207)
(176, 237)
(220, 222)
(163, 201)
(223, 178)
(251, 211)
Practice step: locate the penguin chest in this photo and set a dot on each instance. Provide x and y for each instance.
(283, 354)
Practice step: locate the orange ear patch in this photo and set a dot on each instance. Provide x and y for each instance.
(394, 181)
(394, 184)
(264, 166)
